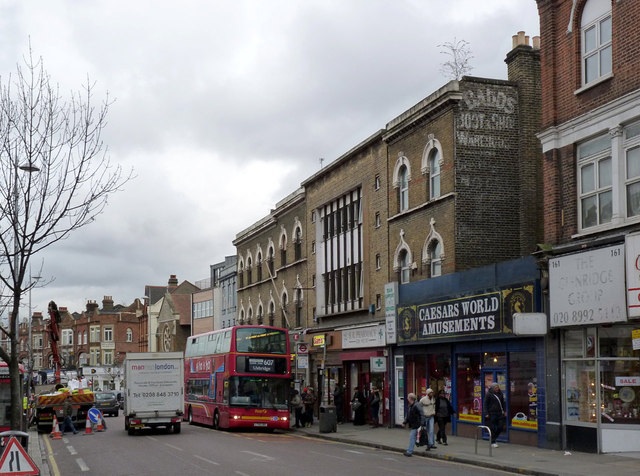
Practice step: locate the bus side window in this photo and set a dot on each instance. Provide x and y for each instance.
(227, 342)
(225, 393)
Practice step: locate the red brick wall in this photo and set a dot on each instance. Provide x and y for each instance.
(561, 65)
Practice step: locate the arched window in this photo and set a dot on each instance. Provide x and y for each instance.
(297, 243)
(259, 267)
(250, 316)
(79, 337)
(405, 267)
(596, 41)
(84, 335)
(434, 173)
(298, 302)
(403, 190)
(270, 262)
(285, 300)
(241, 274)
(283, 248)
(260, 314)
(435, 254)
(249, 270)
(129, 335)
(272, 313)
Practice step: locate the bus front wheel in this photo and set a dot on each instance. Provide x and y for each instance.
(190, 417)
(216, 420)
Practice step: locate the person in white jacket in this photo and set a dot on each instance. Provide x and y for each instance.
(428, 403)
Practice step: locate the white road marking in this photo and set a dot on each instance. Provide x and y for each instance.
(268, 458)
(152, 438)
(174, 447)
(241, 473)
(72, 450)
(82, 464)
(356, 452)
(207, 460)
(330, 456)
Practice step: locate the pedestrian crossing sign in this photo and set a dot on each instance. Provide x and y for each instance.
(16, 462)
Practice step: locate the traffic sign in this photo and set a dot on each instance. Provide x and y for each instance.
(16, 462)
(303, 349)
(94, 415)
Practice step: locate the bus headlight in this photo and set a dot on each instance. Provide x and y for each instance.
(236, 417)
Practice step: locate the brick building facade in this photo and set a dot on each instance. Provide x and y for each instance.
(590, 138)
(272, 285)
(93, 342)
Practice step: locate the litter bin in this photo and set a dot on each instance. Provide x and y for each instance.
(328, 419)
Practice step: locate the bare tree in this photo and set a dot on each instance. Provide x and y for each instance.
(55, 177)
(459, 60)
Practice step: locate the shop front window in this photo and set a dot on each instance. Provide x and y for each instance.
(440, 373)
(616, 342)
(619, 391)
(573, 343)
(523, 394)
(580, 380)
(469, 383)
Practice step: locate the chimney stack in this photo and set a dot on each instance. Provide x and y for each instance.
(173, 281)
(91, 306)
(107, 303)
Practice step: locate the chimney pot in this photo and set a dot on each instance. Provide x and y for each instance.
(536, 42)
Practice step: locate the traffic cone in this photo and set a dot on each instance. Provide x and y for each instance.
(87, 426)
(100, 426)
(55, 429)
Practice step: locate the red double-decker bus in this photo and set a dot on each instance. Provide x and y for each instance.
(238, 377)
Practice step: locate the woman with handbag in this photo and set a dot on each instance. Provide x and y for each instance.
(358, 406)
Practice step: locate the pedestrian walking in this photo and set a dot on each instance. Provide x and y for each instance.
(414, 420)
(67, 411)
(358, 405)
(444, 410)
(309, 401)
(296, 405)
(338, 401)
(374, 406)
(428, 403)
(495, 411)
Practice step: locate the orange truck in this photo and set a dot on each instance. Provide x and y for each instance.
(49, 403)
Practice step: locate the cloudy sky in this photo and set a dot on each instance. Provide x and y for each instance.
(222, 108)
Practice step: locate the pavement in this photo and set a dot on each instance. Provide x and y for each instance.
(507, 457)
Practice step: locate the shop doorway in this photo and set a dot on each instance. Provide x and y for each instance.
(488, 378)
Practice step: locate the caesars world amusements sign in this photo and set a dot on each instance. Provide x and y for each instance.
(482, 314)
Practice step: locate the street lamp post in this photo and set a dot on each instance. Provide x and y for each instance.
(29, 168)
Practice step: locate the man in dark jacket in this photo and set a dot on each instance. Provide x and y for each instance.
(414, 418)
(444, 410)
(495, 412)
(337, 401)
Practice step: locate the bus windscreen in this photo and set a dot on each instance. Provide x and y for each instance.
(261, 341)
(259, 392)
